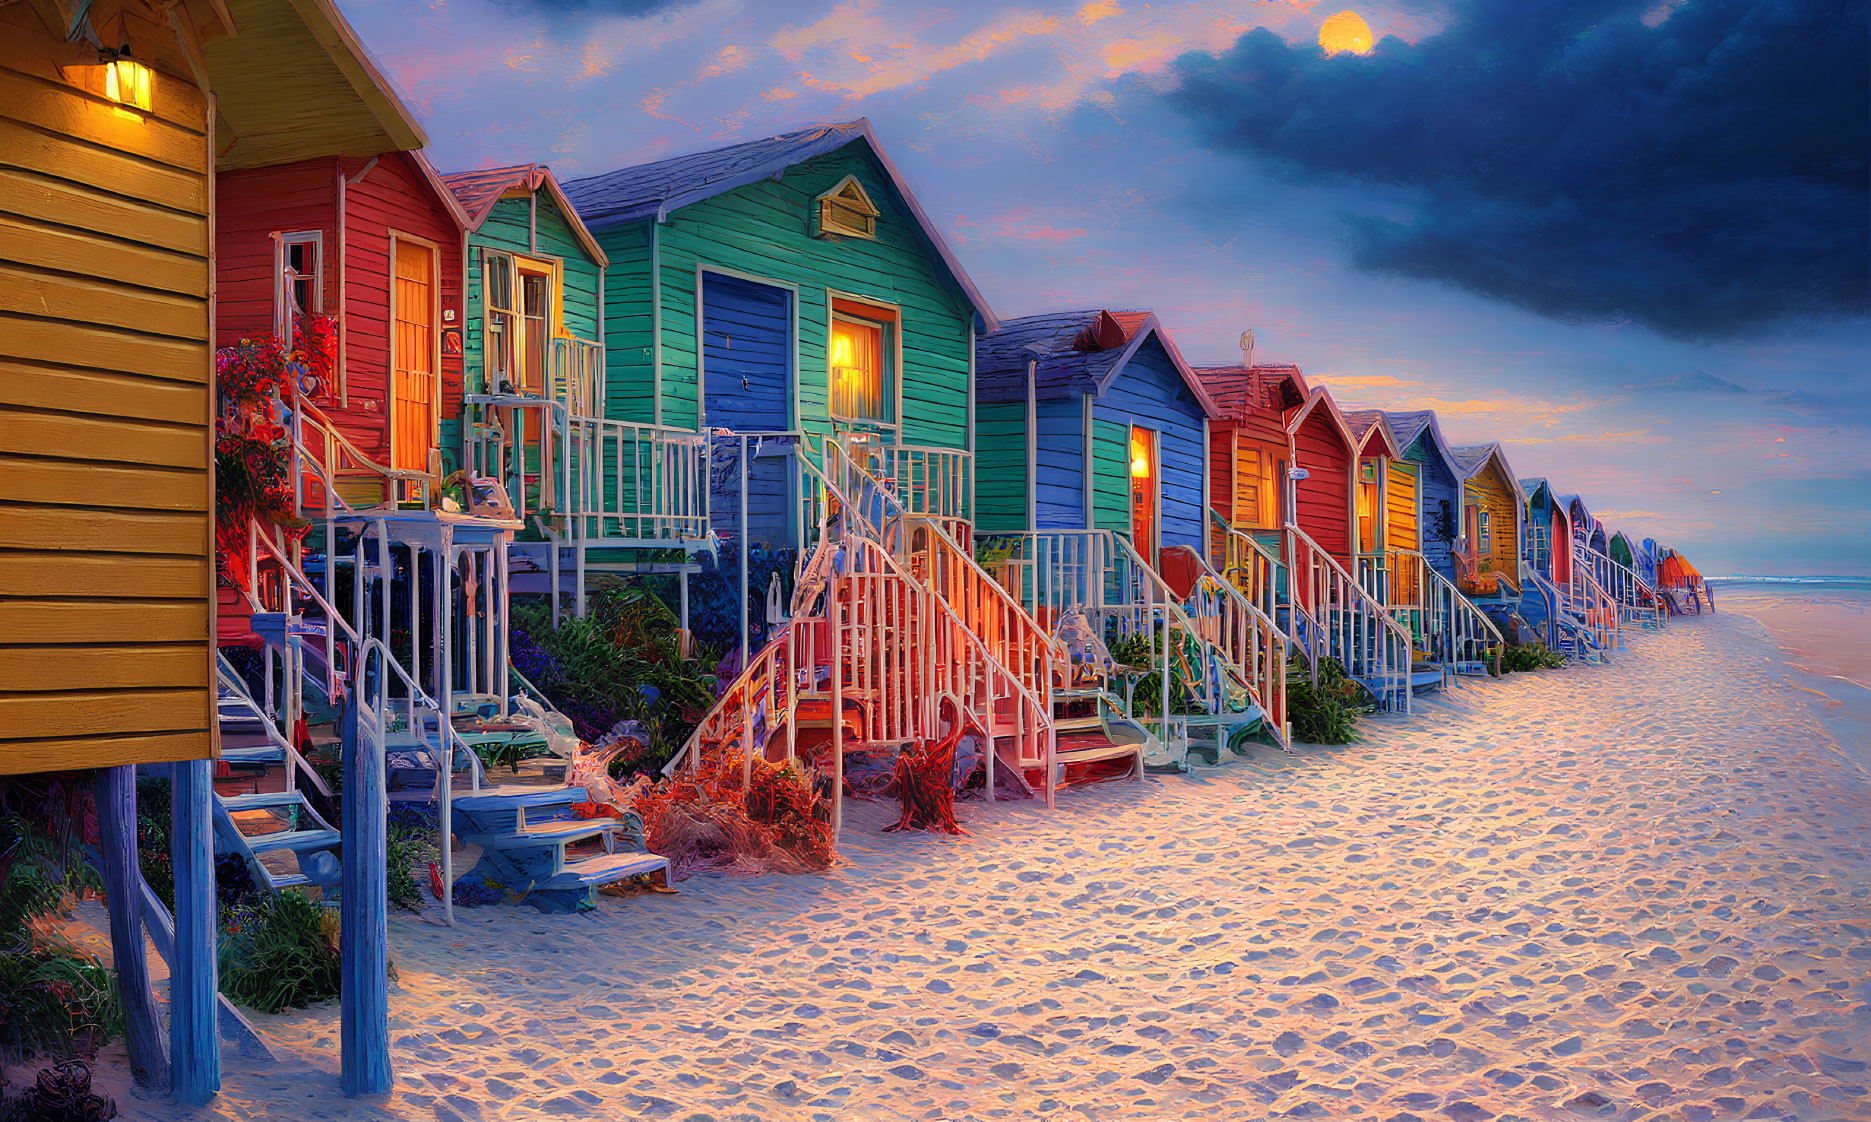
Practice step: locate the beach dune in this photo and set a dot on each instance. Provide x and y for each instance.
(1633, 891)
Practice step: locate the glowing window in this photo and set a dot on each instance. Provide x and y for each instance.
(857, 369)
(127, 82)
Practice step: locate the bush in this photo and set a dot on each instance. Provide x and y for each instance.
(410, 848)
(1530, 656)
(54, 1000)
(279, 950)
(1328, 712)
(621, 662)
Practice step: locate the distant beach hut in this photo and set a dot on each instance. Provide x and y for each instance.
(1488, 555)
(1438, 482)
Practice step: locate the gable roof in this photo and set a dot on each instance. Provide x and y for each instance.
(1272, 386)
(655, 190)
(1406, 427)
(478, 191)
(1533, 485)
(1474, 457)
(1072, 352)
(1336, 417)
(1368, 425)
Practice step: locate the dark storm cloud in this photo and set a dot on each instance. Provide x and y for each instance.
(1702, 177)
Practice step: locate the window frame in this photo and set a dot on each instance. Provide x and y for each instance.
(283, 322)
(822, 204)
(517, 266)
(888, 319)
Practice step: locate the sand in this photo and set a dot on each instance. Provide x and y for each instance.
(1634, 891)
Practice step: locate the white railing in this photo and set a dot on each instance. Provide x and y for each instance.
(514, 437)
(866, 630)
(1246, 564)
(1250, 642)
(1594, 607)
(577, 376)
(323, 452)
(1455, 632)
(926, 545)
(1555, 601)
(1539, 547)
(642, 483)
(1098, 573)
(931, 483)
(1335, 618)
(1636, 598)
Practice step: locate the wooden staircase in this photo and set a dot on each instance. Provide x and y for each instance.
(1332, 616)
(537, 849)
(1454, 634)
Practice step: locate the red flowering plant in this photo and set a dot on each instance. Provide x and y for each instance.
(252, 451)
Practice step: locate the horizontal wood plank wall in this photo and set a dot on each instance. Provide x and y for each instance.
(1439, 518)
(1000, 467)
(629, 338)
(1400, 506)
(1324, 495)
(106, 524)
(394, 196)
(764, 230)
(1110, 485)
(1150, 393)
(1221, 468)
(1059, 489)
(1262, 456)
(250, 207)
(1491, 492)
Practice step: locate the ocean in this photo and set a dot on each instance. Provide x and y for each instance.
(1822, 626)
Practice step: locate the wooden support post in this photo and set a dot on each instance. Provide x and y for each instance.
(363, 937)
(115, 791)
(195, 1054)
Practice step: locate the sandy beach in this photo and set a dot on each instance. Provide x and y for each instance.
(1638, 891)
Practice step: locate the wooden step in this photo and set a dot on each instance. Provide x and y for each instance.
(298, 841)
(603, 869)
(560, 831)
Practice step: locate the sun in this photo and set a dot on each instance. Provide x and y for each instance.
(1345, 31)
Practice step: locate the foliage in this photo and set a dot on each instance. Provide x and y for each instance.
(253, 481)
(413, 843)
(253, 371)
(1328, 712)
(704, 821)
(1147, 690)
(1530, 656)
(623, 661)
(53, 999)
(153, 846)
(61, 1093)
(279, 950)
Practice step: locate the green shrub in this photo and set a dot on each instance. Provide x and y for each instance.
(409, 850)
(1530, 656)
(279, 951)
(54, 1001)
(1326, 713)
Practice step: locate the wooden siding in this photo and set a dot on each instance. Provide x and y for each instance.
(763, 230)
(106, 515)
(1241, 450)
(1151, 394)
(1000, 467)
(1325, 494)
(1059, 490)
(1439, 518)
(1400, 506)
(1490, 491)
(1110, 483)
(1221, 455)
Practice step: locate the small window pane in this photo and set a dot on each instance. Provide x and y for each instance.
(857, 370)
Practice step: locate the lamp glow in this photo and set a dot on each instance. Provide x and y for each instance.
(127, 82)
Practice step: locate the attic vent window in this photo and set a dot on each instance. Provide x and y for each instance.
(847, 210)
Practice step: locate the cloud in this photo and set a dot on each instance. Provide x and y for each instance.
(1704, 176)
(1364, 381)
(629, 9)
(1696, 381)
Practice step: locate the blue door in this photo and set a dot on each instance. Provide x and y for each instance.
(746, 354)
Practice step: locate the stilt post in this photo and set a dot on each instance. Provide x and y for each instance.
(363, 937)
(115, 791)
(195, 1053)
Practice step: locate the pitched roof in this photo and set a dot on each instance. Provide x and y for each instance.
(1368, 425)
(477, 192)
(655, 190)
(1406, 427)
(1272, 386)
(1072, 352)
(1470, 459)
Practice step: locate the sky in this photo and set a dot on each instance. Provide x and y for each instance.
(1625, 238)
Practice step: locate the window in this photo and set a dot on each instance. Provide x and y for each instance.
(846, 210)
(299, 286)
(859, 357)
(1486, 536)
(521, 316)
(1143, 485)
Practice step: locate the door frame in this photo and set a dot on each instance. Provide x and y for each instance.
(1148, 551)
(702, 269)
(397, 237)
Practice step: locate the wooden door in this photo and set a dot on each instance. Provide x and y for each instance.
(1143, 485)
(413, 385)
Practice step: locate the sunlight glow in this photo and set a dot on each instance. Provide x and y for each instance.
(1345, 31)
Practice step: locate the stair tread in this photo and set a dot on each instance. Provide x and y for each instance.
(295, 840)
(605, 868)
(489, 799)
(560, 832)
(262, 800)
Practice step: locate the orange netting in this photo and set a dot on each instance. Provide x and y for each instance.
(704, 821)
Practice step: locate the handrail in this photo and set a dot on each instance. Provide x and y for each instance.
(938, 667)
(1555, 604)
(1035, 651)
(1382, 655)
(1258, 566)
(229, 680)
(1237, 633)
(1451, 619)
(326, 470)
(1624, 584)
(667, 473)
